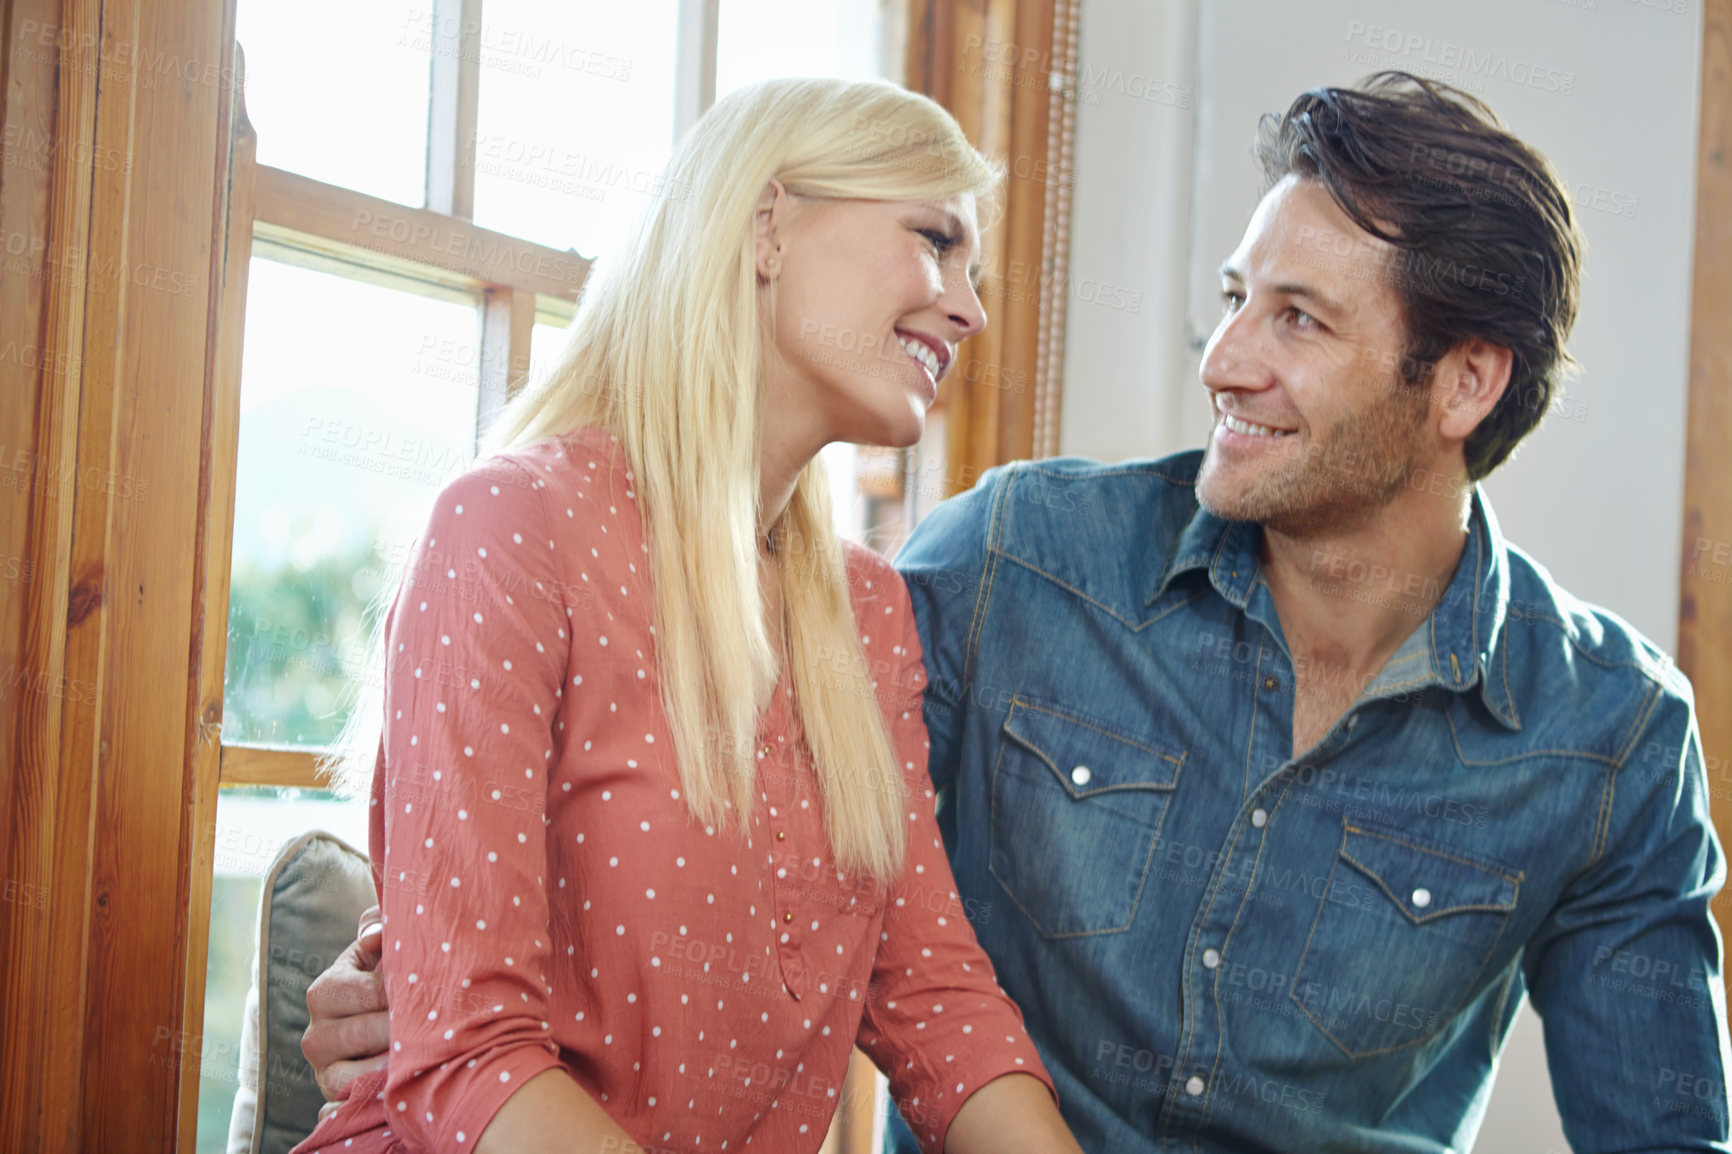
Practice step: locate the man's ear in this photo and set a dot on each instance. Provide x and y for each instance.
(772, 209)
(1472, 378)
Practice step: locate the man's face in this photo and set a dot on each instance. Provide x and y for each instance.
(1314, 430)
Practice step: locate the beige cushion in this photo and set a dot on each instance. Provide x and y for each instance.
(311, 900)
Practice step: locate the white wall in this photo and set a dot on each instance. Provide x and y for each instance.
(1169, 97)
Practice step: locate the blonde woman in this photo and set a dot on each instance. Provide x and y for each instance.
(651, 822)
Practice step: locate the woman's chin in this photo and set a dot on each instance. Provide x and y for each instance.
(893, 431)
(907, 434)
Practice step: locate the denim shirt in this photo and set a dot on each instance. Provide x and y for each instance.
(1219, 946)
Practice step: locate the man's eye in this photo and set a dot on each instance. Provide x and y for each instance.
(1304, 320)
(1231, 301)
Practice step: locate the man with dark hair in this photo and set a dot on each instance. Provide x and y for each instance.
(1273, 777)
(1478, 237)
(1285, 778)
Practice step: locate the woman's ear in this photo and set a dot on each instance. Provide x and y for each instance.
(772, 209)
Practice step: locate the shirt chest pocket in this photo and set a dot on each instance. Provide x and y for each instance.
(1076, 813)
(1400, 942)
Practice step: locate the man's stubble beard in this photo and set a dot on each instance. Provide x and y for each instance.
(1338, 481)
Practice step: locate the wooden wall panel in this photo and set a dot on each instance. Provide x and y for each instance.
(122, 100)
(1005, 70)
(1705, 608)
(44, 214)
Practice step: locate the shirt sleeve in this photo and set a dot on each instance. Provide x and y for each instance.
(944, 563)
(1625, 972)
(936, 1022)
(476, 657)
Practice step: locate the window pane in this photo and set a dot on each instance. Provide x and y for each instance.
(847, 503)
(251, 826)
(338, 91)
(545, 343)
(576, 117)
(357, 405)
(763, 39)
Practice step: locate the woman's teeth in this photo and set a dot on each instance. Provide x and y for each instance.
(1250, 430)
(920, 352)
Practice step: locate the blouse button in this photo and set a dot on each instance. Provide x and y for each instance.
(1421, 897)
(1259, 818)
(1081, 775)
(1211, 959)
(1193, 1085)
(781, 835)
(788, 917)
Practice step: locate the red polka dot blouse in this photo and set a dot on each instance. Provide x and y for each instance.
(549, 901)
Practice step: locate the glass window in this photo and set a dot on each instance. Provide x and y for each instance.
(338, 91)
(251, 826)
(845, 498)
(358, 403)
(576, 118)
(546, 342)
(763, 39)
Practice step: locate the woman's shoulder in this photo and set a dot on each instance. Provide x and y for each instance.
(884, 616)
(584, 460)
(880, 599)
(573, 473)
(568, 498)
(870, 573)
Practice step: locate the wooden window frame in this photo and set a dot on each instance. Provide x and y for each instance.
(338, 230)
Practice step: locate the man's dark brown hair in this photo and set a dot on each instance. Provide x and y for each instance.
(1485, 236)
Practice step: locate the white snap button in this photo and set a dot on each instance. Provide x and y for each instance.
(1211, 959)
(1422, 897)
(1081, 775)
(1259, 818)
(1194, 1086)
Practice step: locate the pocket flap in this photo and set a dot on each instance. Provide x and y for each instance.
(1087, 759)
(1428, 883)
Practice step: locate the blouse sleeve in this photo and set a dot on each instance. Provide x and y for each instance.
(476, 656)
(937, 1023)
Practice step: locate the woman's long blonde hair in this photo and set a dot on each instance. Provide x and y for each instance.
(665, 353)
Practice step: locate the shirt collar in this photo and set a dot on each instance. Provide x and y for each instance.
(1226, 549)
(1467, 629)
(1460, 644)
